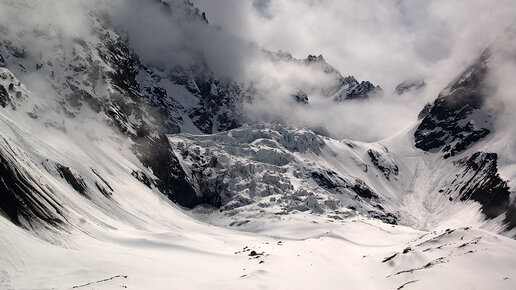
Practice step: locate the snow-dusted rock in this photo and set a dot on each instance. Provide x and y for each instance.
(457, 119)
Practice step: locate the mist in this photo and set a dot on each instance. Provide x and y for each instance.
(385, 42)
(502, 101)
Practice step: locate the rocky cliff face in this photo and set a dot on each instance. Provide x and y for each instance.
(94, 78)
(351, 89)
(460, 121)
(457, 119)
(479, 181)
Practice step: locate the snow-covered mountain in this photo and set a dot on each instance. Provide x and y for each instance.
(339, 89)
(117, 170)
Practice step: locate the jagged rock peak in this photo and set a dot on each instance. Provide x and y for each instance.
(351, 89)
(457, 118)
(300, 97)
(313, 58)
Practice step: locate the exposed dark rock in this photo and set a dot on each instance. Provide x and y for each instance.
(315, 58)
(142, 177)
(102, 179)
(448, 126)
(362, 190)
(387, 218)
(254, 253)
(387, 259)
(75, 181)
(385, 165)
(17, 52)
(24, 201)
(479, 181)
(353, 90)
(172, 180)
(346, 88)
(440, 260)
(329, 179)
(106, 192)
(424, 112)
(300, 97)
(101, 281)
(219, 104)
(4, 97)
(407, 283)
(150, 142)
(78, 96)
(157, 98)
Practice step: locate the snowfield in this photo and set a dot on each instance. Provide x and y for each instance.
(176, 252)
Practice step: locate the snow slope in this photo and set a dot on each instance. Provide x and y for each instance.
(170, 250)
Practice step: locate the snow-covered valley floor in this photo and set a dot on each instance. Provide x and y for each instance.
(175, 251)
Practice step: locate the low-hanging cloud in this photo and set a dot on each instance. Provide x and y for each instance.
(502, 69)
(385, 42)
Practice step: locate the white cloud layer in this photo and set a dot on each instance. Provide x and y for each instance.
(385, 42)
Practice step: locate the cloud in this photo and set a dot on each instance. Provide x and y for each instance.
(385, 42)
(381, 41)
(502, 68)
